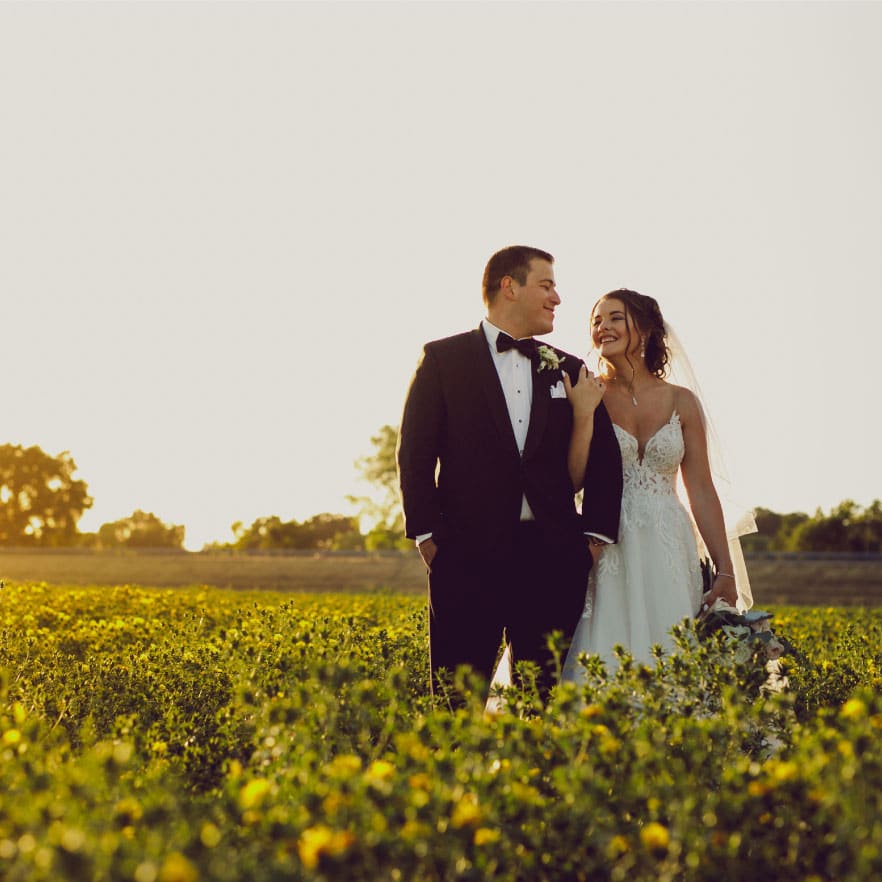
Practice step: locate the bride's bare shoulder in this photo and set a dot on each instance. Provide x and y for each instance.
(685, 401)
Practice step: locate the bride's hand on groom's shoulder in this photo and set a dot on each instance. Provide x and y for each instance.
(585, 394)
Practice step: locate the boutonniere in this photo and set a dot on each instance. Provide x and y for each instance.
(548, 358)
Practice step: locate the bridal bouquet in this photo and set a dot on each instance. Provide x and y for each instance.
(747, 632)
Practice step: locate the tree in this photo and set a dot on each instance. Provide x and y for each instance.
(140, 530)
(384, 510)
(40, 500)
(773, 530)
(322, 531)
(846, 528)
(867, 534)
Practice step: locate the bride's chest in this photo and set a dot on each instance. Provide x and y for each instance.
(662, 453)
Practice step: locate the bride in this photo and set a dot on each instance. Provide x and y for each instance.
(651, 578)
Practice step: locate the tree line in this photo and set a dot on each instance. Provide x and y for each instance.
(847, 527)
(41, 503)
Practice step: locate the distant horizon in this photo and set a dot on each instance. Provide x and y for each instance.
(95, 521)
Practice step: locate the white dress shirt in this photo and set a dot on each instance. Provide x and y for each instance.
(515, 372)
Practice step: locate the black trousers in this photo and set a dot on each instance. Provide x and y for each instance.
(533, 586)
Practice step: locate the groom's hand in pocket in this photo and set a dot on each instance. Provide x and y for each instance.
(428, 549)
(595, 547)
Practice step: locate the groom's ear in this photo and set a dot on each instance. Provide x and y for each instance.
(505, 287)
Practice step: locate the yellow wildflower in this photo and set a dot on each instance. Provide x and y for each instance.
(345, 765)
(655, 836)
(129, 810)
(252, 794)
(486, 836)
(466, 812)
(853, 709)
(414, 830)
(379, 770)
(419, 781)
(618, 845)
(177, 868)
(334, 801)
(609, 745)
(782, 770)
(322, 840)
(209, 835)
(757, 788)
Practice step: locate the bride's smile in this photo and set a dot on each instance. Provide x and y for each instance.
(612, 331)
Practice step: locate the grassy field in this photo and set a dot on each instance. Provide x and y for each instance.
(775, 580)
(207, 735)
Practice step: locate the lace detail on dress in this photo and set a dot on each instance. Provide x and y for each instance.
(588, 609)
(649, 494)
(649, 484)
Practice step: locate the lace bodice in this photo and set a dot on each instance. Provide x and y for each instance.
(649, 492)
(656, 472)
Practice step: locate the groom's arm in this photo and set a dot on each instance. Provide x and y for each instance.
(599, 529)
(602, 500)
(418, 447)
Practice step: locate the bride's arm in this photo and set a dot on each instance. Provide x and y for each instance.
(703, 498)
(584, 397)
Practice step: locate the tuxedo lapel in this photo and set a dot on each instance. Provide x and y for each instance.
(489, 381)
(539, 410)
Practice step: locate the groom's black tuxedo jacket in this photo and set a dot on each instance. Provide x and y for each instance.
(455, 414)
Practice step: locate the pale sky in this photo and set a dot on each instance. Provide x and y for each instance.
(227, 229)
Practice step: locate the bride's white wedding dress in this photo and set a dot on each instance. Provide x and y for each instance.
(651, 579)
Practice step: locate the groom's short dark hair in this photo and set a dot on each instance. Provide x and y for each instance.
(513, 261)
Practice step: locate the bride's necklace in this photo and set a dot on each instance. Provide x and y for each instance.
(632, 392)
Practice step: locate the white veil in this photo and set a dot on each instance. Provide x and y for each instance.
(738, 518)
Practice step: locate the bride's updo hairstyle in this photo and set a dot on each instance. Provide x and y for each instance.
(646, 316)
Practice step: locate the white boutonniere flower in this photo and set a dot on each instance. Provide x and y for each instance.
(548, 359)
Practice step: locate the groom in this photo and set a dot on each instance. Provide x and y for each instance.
(485, 487)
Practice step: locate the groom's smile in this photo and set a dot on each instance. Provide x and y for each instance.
(537, 299)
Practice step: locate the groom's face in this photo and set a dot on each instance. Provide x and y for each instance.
(537, 299)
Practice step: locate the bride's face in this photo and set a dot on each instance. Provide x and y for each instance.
(613, 333)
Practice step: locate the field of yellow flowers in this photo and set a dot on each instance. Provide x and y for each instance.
(183, 735)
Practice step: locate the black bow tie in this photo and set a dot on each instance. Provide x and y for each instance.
(527, 346)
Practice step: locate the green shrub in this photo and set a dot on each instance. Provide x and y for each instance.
(175, 736)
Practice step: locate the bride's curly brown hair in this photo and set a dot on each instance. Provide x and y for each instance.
(646, 316)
